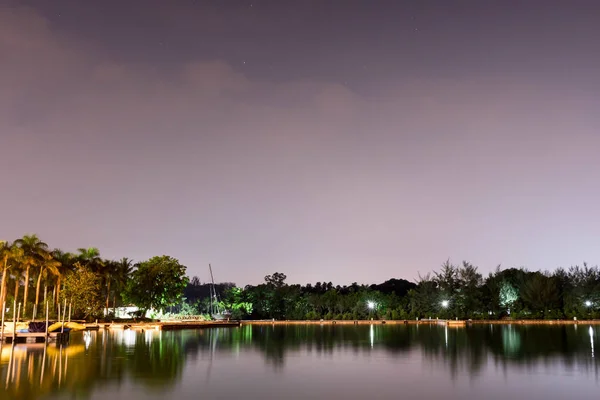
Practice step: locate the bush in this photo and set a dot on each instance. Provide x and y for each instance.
(237, 314)
(554, 314)
(312, 316)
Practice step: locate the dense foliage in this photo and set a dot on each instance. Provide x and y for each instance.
(455, 291)
(156, 284)
(83, 290)
(32, 274)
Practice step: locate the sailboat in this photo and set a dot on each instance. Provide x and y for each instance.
(215, 310)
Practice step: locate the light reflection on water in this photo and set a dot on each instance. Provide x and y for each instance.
(309, 361)
(592, 340)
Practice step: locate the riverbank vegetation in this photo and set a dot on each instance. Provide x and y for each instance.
(455, 291)
(32, 273)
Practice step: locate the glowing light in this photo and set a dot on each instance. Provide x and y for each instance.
(508, 295)
(129, 338)
(592, 340)
(87, 339)
(511, 340)
(371, 305)
(445, 303)
(588, 303)
(446, 335)
(372, 335)
(148, 336)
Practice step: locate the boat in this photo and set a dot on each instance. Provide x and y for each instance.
(215, 310)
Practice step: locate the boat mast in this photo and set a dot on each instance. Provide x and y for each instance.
(210, 310)
(213, 291)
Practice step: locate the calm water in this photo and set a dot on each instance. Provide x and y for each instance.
(311, 362)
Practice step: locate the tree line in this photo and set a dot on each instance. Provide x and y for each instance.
(454, 291)
(33, 275)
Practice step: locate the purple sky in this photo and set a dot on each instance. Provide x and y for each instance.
(332, 141)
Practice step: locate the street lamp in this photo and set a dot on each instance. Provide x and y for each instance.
(371, 305)
(588, 303)
(445, 303)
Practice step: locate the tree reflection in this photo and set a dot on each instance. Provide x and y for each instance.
(156, 360)
(150, 359)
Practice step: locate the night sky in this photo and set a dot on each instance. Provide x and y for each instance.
(330, 140)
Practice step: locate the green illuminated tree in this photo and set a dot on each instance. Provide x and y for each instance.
(156, 284)
(236, 303)
(508, 295)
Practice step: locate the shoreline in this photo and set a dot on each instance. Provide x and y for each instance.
(180, 325)
(423, 322)
(162, 325)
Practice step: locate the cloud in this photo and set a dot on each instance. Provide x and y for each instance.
(302, 170)
(214, 78)
(46, 77)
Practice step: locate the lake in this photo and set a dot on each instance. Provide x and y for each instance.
(311, 362)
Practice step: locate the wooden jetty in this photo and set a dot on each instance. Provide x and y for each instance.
(197, 325)
(452, 322)
(13, 335)
(171, 326)
(35, 337)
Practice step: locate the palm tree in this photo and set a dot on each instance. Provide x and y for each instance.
(16, 271)
(90, 258)
(124, 268)
(9, 257)
(107, 272)
(49, 267)
(5, 256)
(34, 252)
(67, 261)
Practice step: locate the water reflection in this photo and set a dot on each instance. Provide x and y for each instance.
(158, 360)
(31, 369)
(592, 340)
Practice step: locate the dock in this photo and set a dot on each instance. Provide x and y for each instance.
(171, 326)
(34, 337)
(452, 322)
(21, 331)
